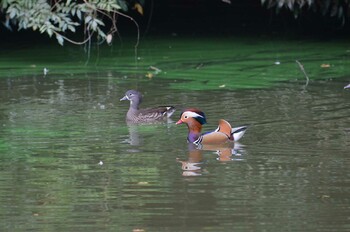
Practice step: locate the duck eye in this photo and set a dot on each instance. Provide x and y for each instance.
(186, 116)
(130, 94)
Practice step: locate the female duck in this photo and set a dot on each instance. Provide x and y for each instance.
(195, 118)
(136, 115)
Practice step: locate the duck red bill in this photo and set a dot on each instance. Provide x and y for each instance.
(179, 122)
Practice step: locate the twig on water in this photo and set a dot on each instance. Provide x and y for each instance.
(303, 70)
(156, 70)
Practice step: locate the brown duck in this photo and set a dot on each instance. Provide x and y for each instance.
(137, 115)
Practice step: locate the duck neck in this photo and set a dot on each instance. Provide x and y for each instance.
(134, 104)
(194, 131)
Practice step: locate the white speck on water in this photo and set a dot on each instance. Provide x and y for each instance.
(101, 106)
(46, 71)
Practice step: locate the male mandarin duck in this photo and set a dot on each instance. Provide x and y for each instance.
(136, 115)
(195, 118)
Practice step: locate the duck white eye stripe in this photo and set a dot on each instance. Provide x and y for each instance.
(192, 114)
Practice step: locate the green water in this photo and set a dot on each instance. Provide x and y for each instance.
(69, 162)
(204, 64)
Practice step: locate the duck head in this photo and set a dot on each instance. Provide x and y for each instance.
(194, 119)
(134, 97)
(192, 116)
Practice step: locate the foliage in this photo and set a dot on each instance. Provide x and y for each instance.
(59, 18)
(334, 8)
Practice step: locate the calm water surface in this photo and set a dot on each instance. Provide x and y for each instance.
(69, 162)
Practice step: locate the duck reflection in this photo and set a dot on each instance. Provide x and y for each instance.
(134, 136)
(225, 152)
(194, 165)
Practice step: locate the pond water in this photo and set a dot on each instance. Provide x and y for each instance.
(69, 161)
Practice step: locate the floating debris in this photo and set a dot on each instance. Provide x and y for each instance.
(199, 66)
(46, 71)
(325, 65)
(138, 230)
(155, 69)
(143, 183)
(149, 75)
(155, 72)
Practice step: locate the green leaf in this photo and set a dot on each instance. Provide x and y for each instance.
(13, 12)
(99, 22)
(60, 39)
(88, 19)
(64, 26)
(102, 34)
(93, 25)
(43, 28)
(79, 14)
(49, 31)
(71, 28)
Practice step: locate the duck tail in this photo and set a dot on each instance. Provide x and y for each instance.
(238, 132)
(169, 110)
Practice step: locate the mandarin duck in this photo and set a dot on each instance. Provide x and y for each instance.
(136, 115)
(195, 118)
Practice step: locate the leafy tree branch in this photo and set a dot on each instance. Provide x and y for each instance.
(62, 18)
(333, 8)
